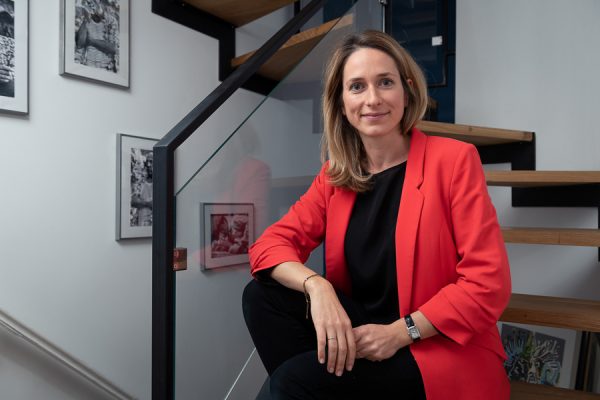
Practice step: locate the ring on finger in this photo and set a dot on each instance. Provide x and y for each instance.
(331, 338)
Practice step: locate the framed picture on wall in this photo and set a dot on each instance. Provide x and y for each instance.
(94, 40)
(542, 355)
(14, 54)
(227, 230)
(134, 186)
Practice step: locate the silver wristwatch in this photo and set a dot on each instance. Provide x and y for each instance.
(413, 331)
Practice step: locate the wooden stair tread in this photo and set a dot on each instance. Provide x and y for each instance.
(529, 391)
(292, 52)
(477, 135)
(552, 236)
(238, 12)
(541, 178)
(553, 311)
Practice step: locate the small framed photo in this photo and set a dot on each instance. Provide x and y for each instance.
(14, 54)
(542, 355)
(134, 186)
(227, 231)
(94, 40)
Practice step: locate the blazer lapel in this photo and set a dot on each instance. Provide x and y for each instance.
(338, 217)
(409, 216)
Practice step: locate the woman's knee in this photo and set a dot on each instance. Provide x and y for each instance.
(285, 384)
(300, 377)
(250, 296)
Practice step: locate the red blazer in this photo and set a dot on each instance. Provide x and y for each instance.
(450, 255)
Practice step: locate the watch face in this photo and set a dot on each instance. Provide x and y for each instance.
(414, 334)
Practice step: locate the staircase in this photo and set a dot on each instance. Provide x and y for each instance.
(570, 313)
(219, 19)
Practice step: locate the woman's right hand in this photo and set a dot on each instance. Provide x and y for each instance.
(335, 339)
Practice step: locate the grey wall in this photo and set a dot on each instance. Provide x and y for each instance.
(28, 374)
(62, 272)
(522, 65)
(533, 65)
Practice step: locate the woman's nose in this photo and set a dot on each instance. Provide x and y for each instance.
(373, 97)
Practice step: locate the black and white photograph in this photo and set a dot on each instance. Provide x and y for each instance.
(95, 40)
(134, 186)
(228, 232)
(13, 56)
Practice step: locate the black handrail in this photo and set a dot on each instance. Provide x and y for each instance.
(163, 229)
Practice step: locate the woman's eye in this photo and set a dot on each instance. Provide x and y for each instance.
(386, 82)
(355, 86)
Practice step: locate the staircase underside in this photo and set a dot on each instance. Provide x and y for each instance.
(236, 12)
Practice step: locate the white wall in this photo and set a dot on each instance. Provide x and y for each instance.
(28, 374)
(533, 65)
(62, 272)
(522, 65)
(64, 275)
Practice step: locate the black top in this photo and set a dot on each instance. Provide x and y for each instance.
(370, 246)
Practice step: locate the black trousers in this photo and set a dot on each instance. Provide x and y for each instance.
(287, 345)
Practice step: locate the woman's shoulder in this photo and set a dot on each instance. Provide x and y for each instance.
(448, 149)
(446, 152)
(323, 182)
(447, 144)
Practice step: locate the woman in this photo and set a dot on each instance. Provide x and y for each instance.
(416, 270)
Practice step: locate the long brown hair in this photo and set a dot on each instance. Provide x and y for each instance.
(341, 142)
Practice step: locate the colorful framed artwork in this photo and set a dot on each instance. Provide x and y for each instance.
(134, 186)
(227, 231)
(542, 355)
(14, 56)
(94, 40)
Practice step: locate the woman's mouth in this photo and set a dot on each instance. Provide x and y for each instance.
(374, 116)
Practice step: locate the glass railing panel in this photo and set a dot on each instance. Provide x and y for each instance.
(229, 189)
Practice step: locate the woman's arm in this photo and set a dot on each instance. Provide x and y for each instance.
(282, 251)
(476, 300)
(296, 234)
(335, 340)
(377, 342)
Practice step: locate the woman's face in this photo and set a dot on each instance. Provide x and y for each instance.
(372, 93)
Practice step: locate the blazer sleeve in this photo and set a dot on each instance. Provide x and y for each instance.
(482, 290)
(297, 233)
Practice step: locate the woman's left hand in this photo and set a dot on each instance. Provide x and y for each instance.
(378, 342)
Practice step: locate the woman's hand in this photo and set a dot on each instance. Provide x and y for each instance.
(379, 342)
(335, 339)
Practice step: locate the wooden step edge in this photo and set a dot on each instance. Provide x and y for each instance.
(541, 178)
(477, 135)
(552, 236)
(238, 12)
(302, 37)
(556, 312)
(530, 391)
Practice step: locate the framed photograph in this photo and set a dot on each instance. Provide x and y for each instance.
(94, 40)
(14, 54)
(134, 186)
(227, 230)
(542, 355)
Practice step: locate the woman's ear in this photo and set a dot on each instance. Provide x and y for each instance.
(409, 82)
